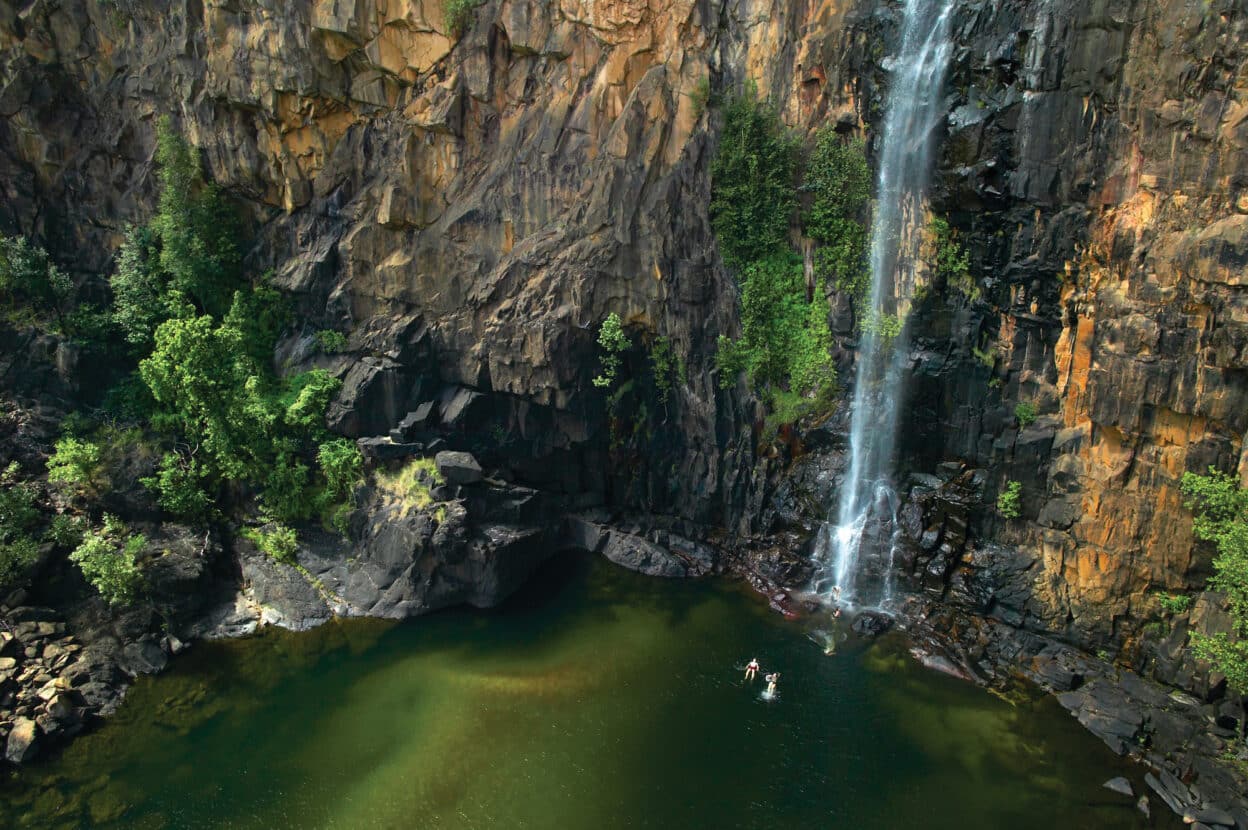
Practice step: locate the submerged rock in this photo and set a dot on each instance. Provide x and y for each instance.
(1120, 785)
(23, 742)
(871, 624)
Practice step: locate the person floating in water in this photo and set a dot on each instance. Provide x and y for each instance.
(751, 669)
(772, 679)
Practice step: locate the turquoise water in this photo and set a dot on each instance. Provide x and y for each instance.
(596, 698)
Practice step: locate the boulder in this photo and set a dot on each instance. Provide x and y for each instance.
(638, 554)
(458, 467)
(383, 448)
(23, 742)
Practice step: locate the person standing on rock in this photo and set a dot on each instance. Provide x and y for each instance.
(751, 669)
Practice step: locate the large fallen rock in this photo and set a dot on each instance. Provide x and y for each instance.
(458, 467)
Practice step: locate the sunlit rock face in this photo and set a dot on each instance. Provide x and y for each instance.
(472, 208)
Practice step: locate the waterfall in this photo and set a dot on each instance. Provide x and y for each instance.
(865, 516)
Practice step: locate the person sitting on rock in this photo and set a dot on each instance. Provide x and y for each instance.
(751, 669)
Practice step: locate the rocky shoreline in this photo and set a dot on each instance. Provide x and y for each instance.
(62, 674)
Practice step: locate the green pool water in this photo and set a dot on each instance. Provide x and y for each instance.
(596, 698)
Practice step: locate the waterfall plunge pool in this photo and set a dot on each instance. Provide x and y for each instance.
(595, 698)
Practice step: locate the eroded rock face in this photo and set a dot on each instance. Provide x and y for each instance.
(471, 210)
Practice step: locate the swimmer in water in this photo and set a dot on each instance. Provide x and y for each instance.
(772, 679)
(751, 669)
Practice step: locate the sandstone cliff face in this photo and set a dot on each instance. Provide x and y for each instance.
(1096, 164)
(471, 209)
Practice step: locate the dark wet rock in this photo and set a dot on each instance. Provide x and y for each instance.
(871, 624)
(383, 448)
(144, 657)
(458, 468)
(638, 554)
(1120, 785)
(1214, 816)
(413, 423)
(1172, 791)
(284, 595)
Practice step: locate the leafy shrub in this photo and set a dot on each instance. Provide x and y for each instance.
(277, 541)
(16, 558)
(66, 531)
(1220, 510)
(108, 558)
(18, 513)
(179, 485)
(987, 356)
(76, 464)
(700, 97)
(952, 262)
(752, 181)
(1174, 603)
(343, 467)
(18, 517)
(459, 16)
(785, 340)
(612, 342)
(1009, 500)
(284, 489)
(29, 278)
(668, 367)
(1025, 412)
(883, 326)
(331, 341)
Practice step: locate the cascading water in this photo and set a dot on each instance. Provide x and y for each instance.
(867, 505)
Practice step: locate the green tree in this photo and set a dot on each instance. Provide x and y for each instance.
(198, 230)
(838, 178)
(785, 340)
(1025, 412)
(753, 196)
(19, 515)
(29, 278)
(1220, 511)
(342, 465)
(612, 342)
(139, 288)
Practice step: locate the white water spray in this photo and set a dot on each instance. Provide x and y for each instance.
(867, 503)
